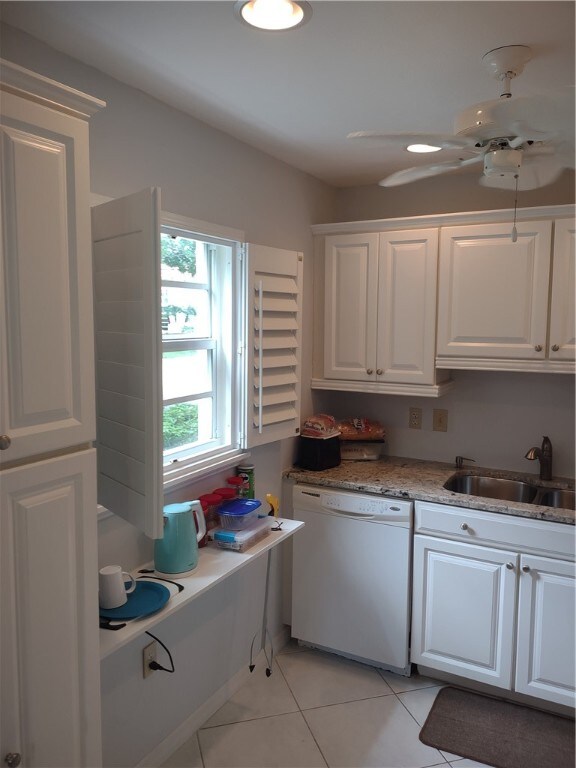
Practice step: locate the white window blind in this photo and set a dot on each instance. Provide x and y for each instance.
(274, 300)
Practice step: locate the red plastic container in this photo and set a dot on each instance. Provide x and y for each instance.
(210, 505)
(226, 493)
(237, 484)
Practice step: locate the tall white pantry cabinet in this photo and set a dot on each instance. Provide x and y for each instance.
(49, 654)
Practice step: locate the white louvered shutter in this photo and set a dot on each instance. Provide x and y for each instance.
(126, 254)
(274, 309)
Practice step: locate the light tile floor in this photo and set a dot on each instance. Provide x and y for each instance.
(319, 710)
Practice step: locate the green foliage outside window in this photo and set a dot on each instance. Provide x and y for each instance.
(180, 253)
(180, 422)
(180, 425)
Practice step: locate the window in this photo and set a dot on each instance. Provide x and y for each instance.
(201, 337)
(197, 351)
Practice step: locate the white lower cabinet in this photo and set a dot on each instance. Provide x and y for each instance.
(464, 609)
(546, 638)
(495, 615)
(49, 651)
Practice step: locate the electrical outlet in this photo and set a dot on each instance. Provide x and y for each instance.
(415, 418)
(440, 420)
(148, 655)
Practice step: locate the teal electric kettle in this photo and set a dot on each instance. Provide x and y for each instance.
(184, 526)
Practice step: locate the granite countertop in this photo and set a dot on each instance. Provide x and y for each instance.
(424, 481)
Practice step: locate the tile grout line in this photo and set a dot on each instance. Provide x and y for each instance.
(302, 713)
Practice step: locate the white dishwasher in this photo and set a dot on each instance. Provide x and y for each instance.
(351, 575)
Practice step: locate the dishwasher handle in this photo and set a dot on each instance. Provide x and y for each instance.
(348, 513)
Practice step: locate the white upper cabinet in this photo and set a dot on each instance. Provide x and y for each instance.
(407, 275)
(494, 308)
(493, 293)
(562, 337)
(350, 310)
(46, 336)
(380, 312)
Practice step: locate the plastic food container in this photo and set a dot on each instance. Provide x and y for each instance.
(354, 450)
(238, 514)
(239, 541)
(226, 493)
(237, 484)
(210, 504)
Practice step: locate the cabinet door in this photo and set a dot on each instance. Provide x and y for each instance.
(49, 654)
(493, 293)
(46, 344)
(407, 273)
(562, 340)
(350, 315)
(463, 609)
(546, 638)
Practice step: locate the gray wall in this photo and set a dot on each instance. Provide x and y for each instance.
(449, 193)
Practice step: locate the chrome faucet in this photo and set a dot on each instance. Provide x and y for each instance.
(544, 455)
(460, 461)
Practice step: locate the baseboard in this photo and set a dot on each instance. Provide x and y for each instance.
(197, 719)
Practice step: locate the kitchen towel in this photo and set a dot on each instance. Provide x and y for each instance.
(497, 732)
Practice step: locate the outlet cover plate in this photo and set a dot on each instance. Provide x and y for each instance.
(440, 420)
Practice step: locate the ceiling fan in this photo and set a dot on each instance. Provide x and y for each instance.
(523, 143)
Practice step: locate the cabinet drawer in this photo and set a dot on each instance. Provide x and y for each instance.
(495, 530)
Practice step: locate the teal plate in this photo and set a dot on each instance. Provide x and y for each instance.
(147, 598)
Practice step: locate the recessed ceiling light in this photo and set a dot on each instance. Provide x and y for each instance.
(273, 15)
(422, 148)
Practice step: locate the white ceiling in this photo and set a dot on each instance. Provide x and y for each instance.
(378, 65)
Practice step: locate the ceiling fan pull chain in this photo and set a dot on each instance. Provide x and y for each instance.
(514, 230)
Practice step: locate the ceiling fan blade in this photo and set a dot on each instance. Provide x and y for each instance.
(546, 113)
(444, 141)
(535, 172)
(424, 171)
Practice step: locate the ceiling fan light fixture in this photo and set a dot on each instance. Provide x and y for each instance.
(503, 162)
(422, 148)
(273, 15)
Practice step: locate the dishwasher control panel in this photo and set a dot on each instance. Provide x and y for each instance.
(351, 504)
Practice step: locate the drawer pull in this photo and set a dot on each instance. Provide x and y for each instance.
(526, 568)
(465, 527)
(510, 566)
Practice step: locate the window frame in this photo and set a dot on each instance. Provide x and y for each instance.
(230, 370)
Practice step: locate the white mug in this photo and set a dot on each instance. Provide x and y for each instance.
(112, 591)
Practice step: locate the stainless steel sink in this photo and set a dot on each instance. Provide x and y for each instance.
(492, 487)
(511, 490)
(556, 497)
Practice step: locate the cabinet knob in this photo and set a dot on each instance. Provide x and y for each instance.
(538, 347)
(13, 759)
(555, 347)
(370, 371)
(465, 527)
(510, 566)
(5, 442)
(379, 371)
(526, 568)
